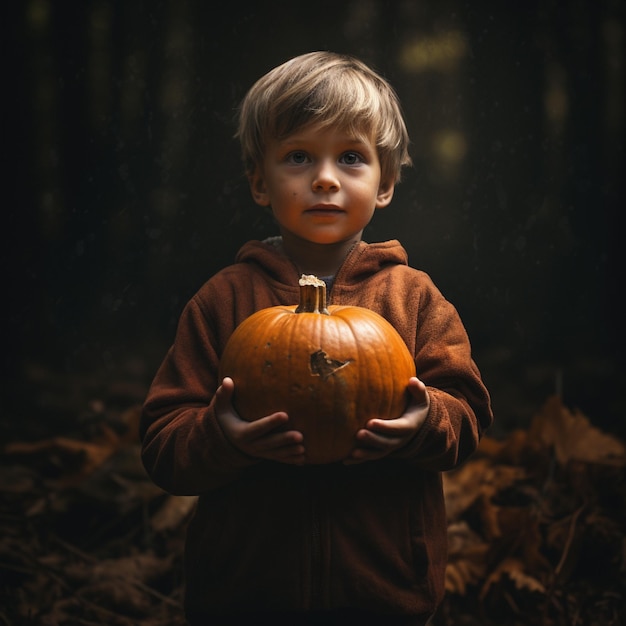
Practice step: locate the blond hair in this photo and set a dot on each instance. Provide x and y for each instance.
(325, 89)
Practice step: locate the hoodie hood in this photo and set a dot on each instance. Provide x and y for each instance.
(362, 262)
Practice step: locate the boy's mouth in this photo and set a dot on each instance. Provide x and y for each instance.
(325, 209)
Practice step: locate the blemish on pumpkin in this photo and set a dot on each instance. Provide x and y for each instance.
(322, 366)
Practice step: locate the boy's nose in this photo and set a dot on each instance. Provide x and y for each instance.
(325, 178)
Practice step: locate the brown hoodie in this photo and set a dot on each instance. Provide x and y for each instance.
(269, 537)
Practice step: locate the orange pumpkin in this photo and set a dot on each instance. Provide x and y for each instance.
(331, 369)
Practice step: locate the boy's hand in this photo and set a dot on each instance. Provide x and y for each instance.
(262, 438)
(381, 437)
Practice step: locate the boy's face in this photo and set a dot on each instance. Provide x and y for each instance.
(322, 185)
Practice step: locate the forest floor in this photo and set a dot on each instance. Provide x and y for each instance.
(537, 518)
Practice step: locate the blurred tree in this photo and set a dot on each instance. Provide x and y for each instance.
(129, 192)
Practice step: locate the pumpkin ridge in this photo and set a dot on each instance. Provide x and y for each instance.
(376, 363)
(380, 368)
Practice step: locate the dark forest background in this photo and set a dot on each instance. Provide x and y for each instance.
(126, 191)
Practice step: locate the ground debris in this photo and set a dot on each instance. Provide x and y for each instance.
(85, 536)
(536, 523)
(537, 527)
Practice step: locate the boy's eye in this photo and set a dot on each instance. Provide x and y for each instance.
(297, 158)
(351, 158)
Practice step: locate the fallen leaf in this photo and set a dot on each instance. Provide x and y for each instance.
(514, 569)
(573, 438)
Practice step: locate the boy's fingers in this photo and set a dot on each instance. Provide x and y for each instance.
(417, 389)
(261, 427)
(224, 393)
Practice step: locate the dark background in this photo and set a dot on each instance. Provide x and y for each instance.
(126, 190)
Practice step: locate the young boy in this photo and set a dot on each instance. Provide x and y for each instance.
(273, 539)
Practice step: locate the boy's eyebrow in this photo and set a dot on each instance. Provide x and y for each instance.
(348, 139)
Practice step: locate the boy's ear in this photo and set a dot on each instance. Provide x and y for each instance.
(258, 188)
(385, 194)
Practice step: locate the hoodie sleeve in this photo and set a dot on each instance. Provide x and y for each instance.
(184, 449)
(460, 407)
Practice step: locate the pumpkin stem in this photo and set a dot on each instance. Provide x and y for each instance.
(312, 295)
